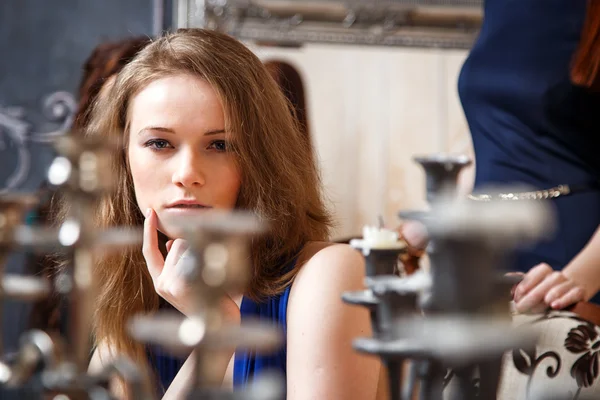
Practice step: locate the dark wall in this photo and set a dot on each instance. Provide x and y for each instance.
(46, 42)
(43, 46)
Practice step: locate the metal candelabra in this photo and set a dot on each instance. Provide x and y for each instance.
(452, 322)
(80, 173)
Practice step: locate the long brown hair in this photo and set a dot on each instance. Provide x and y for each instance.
(280, 181)
(585, 70)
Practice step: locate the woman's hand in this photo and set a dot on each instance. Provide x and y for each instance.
(415, 236)
(542, 287)
(169, 282)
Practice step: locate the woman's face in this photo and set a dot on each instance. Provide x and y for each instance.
(180, 162)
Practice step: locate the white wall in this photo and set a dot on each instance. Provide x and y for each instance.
(370, 110)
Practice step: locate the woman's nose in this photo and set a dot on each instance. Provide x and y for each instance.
(188, 172)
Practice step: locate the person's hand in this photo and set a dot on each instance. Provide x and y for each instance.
(542, 287)
(169, 282)
(514, 287)
(415, 236)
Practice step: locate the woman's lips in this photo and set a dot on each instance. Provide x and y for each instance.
(186, 207)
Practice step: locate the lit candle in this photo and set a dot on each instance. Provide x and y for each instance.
(377, 238)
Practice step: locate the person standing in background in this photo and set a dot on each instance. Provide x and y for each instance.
(529, 90)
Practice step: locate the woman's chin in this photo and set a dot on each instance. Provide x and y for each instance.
(175, 225)
(167, 235)
(169, 228)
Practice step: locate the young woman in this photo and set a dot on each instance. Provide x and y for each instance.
(205, 128)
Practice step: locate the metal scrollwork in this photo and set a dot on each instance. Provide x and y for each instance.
(59, 107)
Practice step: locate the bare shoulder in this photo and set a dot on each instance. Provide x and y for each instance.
(327, 270)
(321, 260)
(102, 356)
(321, 362)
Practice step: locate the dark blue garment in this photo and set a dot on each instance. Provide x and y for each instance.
(528, 123)
(249, 365)
(165, 365)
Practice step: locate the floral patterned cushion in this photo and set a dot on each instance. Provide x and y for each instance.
(564, 363)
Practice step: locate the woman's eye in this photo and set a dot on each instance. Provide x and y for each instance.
(158, 144)
(218, 145)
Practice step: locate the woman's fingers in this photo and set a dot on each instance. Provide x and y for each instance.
(514, 287)
(534, 299)
(531, 279)
(558, 291)
(177, 249)
(576, 294)
(152, 255)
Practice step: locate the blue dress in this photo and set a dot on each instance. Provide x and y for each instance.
(247, 364)
(528, 123)
(164, 364)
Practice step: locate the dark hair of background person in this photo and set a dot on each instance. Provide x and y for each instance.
(585, 70)
(106, 60)
(290, 82)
